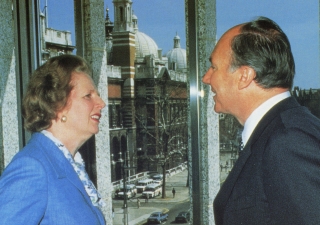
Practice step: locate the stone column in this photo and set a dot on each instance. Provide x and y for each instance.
(210, 142)
(9, 138)
(91, 28)
(204, 145)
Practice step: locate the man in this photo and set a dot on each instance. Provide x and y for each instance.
(138, 203)
(173, 192)
(276, 179)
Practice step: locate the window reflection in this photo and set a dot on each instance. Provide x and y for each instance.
(152, 96)
(146, 84)
(57, 35)
(137, 71)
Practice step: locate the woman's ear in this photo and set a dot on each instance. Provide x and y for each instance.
(247, 75)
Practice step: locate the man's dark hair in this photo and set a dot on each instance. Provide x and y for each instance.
(263, 46)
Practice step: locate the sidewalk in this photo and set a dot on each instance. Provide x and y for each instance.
(139, 216)
(135, 215)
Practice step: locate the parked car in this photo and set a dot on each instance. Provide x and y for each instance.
(182, 217)
(131, 191)
(157, 217)
(158, 182)
(157, 177)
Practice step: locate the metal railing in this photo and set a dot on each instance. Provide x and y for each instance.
(144, 175)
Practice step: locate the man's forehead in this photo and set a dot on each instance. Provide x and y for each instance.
(230, 34)
(224, 43)
(233, 31)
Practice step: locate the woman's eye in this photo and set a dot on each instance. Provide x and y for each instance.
(88, 96)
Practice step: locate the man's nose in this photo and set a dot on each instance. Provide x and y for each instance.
(206, 77)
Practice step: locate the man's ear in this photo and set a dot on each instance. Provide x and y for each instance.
(247, 75)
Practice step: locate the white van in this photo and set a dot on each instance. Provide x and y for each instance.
(159, 182)
(142, 184)
(131, 191)
(152, 190)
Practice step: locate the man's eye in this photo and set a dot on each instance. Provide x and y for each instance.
(88, 96)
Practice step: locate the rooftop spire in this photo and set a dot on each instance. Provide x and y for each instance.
(176, 41)
(108, 24)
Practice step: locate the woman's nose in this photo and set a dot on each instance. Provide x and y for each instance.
(101, 103)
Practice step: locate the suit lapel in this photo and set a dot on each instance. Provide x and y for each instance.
(226, 189)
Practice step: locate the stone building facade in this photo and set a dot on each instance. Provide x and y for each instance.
(309, 98)
(53, 42)
(132, 96)
(20, 45)
(135, 65)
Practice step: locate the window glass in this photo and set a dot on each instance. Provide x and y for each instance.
(300, 21)
(57, 28)
(163, 30)
(160, 92)
(154, 119)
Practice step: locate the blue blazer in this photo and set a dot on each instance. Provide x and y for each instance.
(40, 186)
(276, 179)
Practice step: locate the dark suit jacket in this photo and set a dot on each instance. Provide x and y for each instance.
(276, 179)
(40, 186)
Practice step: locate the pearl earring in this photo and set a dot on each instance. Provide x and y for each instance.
(63, 119)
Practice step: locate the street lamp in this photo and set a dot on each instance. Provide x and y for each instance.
(125, 167)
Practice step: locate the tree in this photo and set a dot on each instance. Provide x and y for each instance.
(161, 114)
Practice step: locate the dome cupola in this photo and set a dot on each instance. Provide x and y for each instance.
(145, 45)
(177, 57)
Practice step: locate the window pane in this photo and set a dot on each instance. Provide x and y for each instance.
(300, 21)
(146, 83)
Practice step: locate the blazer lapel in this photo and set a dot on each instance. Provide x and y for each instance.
(60, 164)
(222, 197)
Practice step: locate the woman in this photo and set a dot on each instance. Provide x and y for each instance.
(46, 182)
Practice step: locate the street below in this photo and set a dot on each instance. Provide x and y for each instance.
(170, 205)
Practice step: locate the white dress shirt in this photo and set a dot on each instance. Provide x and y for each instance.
(258, 113)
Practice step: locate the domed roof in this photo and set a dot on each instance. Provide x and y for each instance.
(177, 57)
(145, 45)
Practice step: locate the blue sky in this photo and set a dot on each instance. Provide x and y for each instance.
(163, 19)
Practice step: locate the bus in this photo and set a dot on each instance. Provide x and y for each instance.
(152, 190)
(142, 184)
